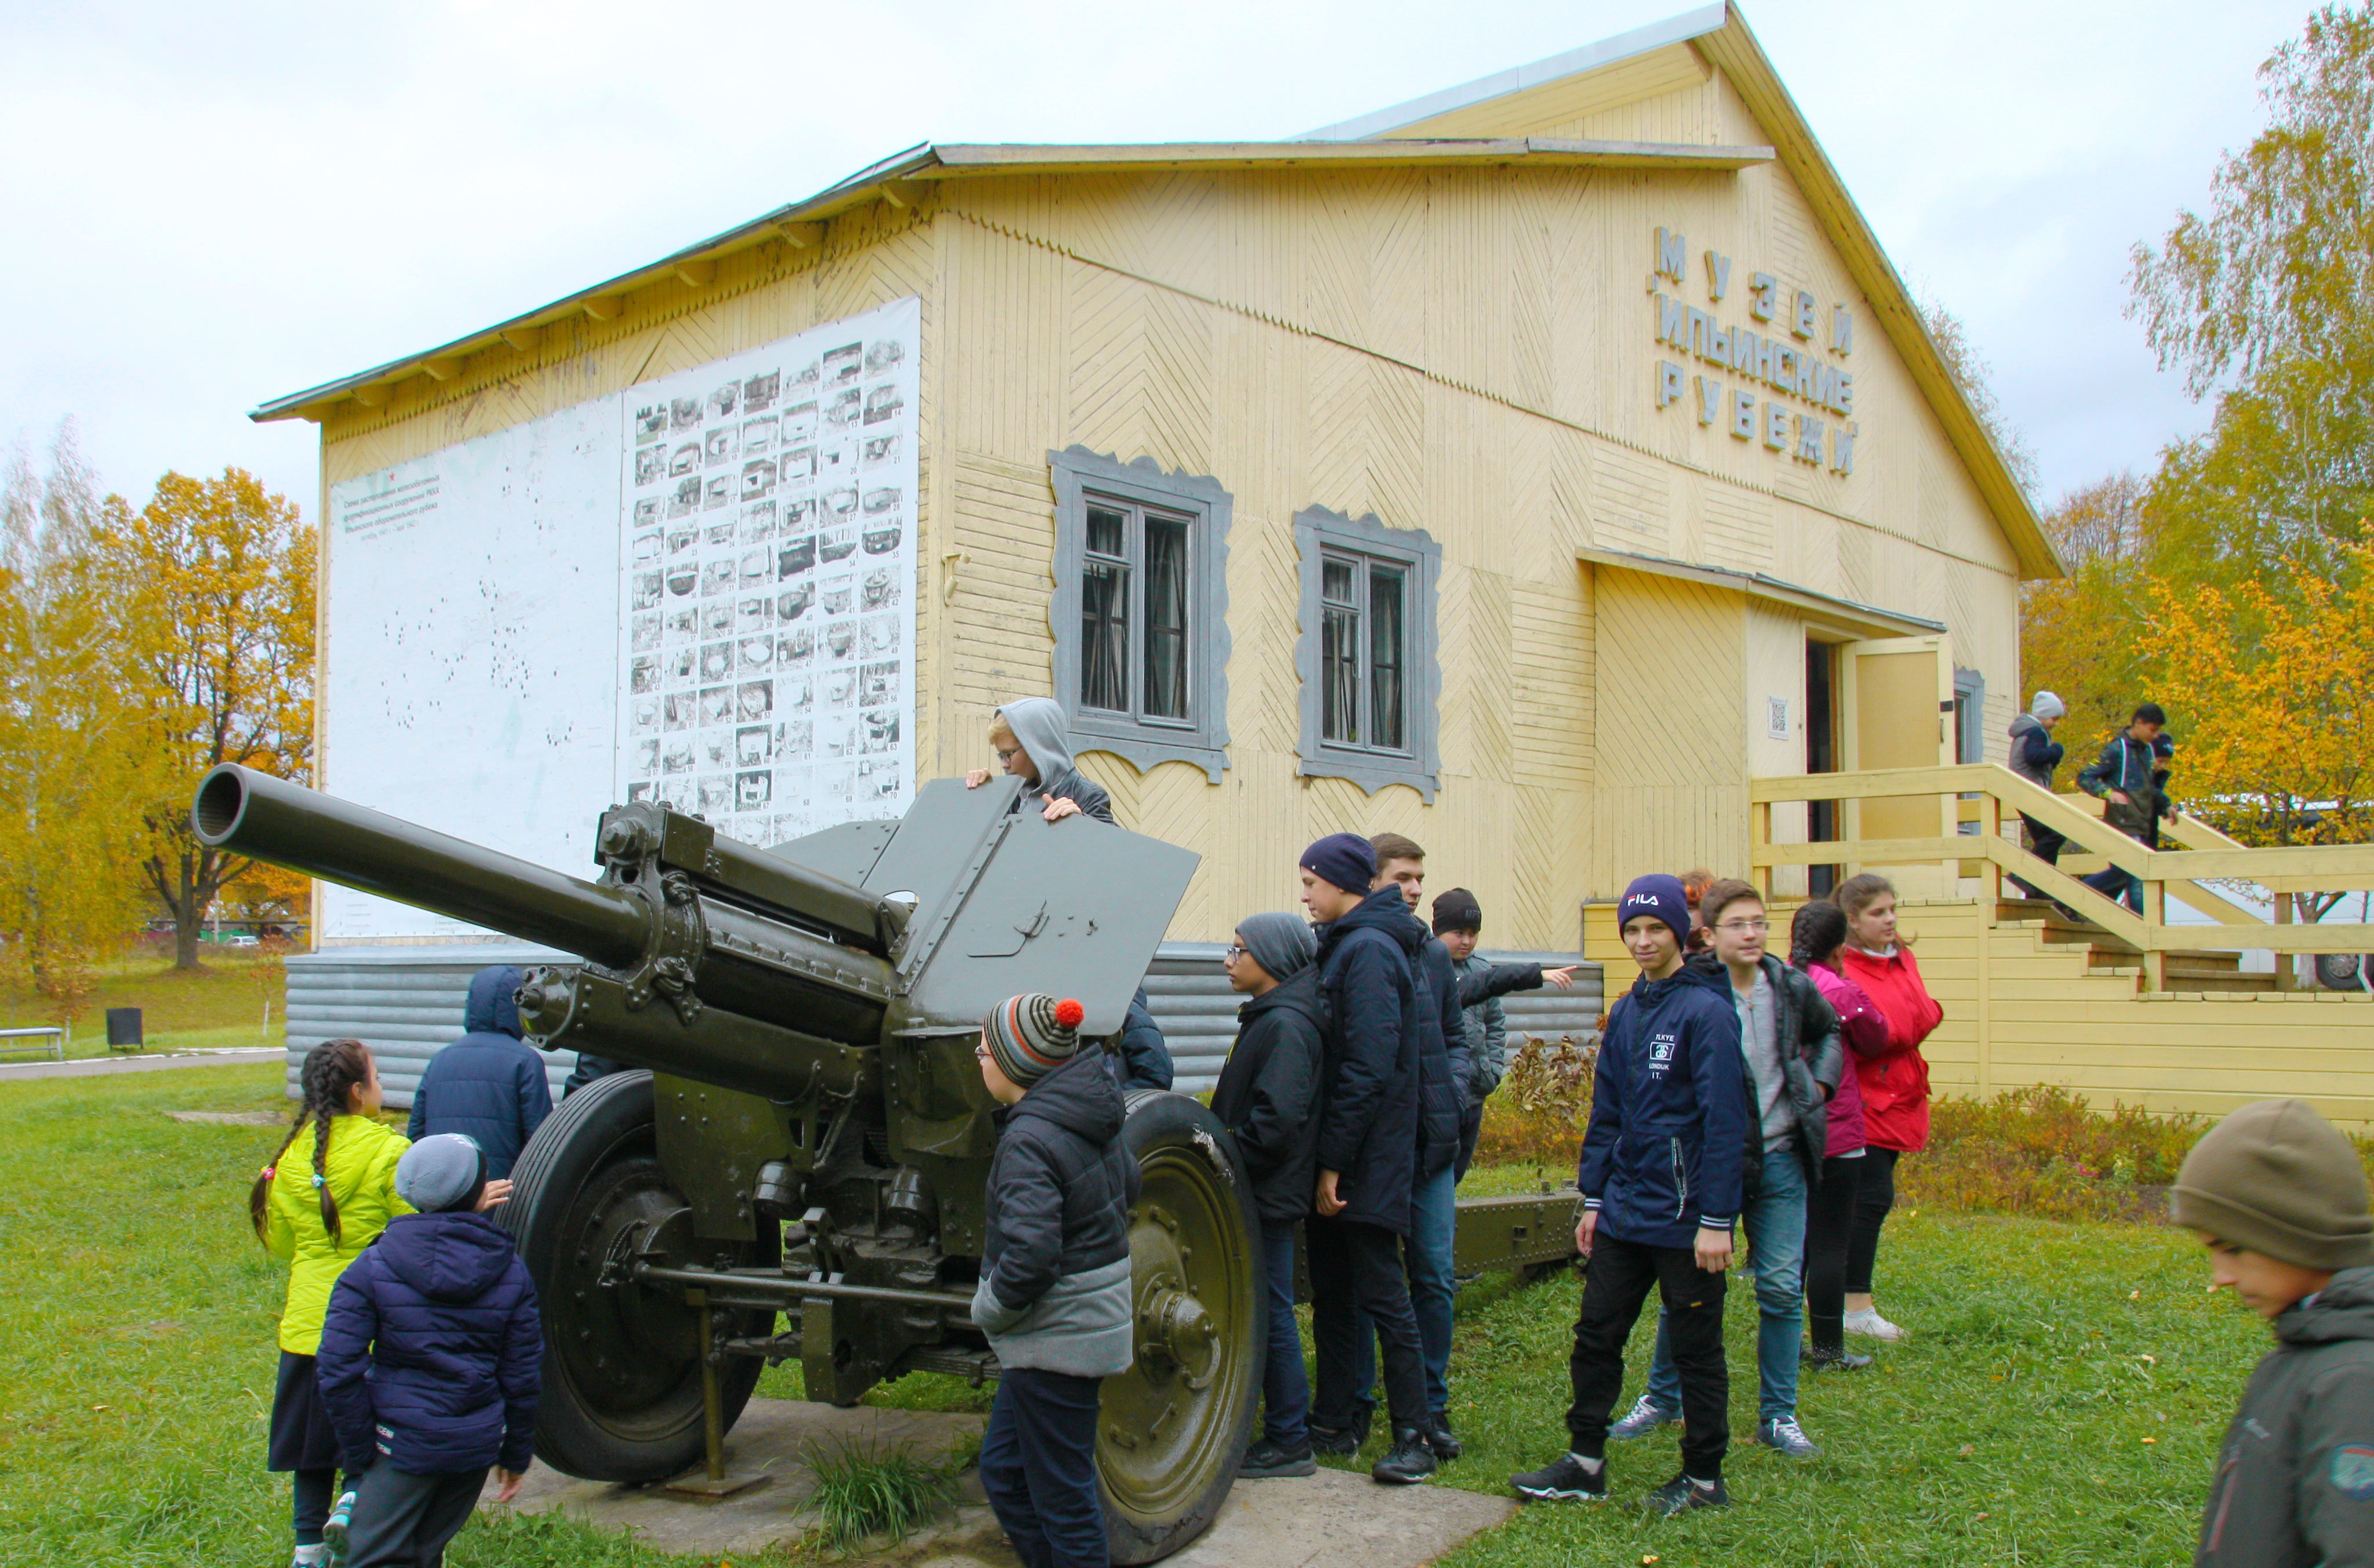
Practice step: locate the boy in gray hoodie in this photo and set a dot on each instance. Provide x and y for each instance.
(1055, 1293)
(2279, 1199)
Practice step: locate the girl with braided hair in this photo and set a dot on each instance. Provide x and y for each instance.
(324, 1198)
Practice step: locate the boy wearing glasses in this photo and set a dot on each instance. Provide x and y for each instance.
(1789, 1038)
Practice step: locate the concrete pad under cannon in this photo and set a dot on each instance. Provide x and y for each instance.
(1334, 1519)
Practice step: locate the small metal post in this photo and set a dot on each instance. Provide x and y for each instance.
(712, 1416)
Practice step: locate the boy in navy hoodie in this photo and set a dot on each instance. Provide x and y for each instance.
(1661, 1181)
(429, 1360)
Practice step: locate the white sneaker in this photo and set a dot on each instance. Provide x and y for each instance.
(1872, 1326)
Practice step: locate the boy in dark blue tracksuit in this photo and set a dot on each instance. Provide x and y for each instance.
(1661, 1181)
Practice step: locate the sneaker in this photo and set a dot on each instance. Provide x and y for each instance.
(1835, 1358)
(1784, 1433)
(1646, 1416)
(313, 1556)
(1872, 1326)
(1337, 1439)
(1563, 1480)
(1441, 1438)
(1409, 1462)
(1681, 1494)
(1266, 1461)
(335, 1528)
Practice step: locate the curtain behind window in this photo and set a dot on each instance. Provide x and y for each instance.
(1165, 617)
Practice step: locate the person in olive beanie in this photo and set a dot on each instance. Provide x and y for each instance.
(2279, 1198)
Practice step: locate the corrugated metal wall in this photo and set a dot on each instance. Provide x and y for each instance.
(405, 1004)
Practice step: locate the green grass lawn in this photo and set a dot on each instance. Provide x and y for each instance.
(220, 1003)
(2060, 1402)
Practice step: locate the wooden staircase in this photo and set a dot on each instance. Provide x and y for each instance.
(2201, 971)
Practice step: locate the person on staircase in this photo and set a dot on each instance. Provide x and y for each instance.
(2133, 786)
(2034, 755)
(1895, 1081)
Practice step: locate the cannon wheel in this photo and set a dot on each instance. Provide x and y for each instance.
(622, 1397)
(1174, 1429)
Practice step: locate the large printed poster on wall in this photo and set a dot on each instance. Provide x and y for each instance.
(769, 582)
(699, 590)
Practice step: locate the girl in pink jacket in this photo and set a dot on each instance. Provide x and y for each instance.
(1815, 937)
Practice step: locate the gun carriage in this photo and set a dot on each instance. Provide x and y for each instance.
(793, 1168)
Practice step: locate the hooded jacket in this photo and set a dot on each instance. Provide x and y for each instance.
(1863, 1028)
(1369, 1094)
(1445, 1065)
(431, 1354)
(362, 1176)
(1895, 1079)
(2034, 753)
(1805, 1034)
(1268, 1092)
(488, 1085)
(1039, 725)
(2294, 1482)
(1054, 1289)
(1664, 1154)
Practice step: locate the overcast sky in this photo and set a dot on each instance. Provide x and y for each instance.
(213, 205)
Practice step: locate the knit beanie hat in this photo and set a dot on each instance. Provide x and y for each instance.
(1660, 895)
(2048, 706)
(1281, 943)
(2279, 1179)
(1456, 910)
(441, 1172)
(1032, 1036)
(1346, 860)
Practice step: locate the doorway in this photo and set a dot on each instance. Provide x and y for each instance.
(1821, 756)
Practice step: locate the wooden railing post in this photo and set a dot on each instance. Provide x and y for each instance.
(2286, 966)
(2154, 935)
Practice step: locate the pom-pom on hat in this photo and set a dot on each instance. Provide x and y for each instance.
(1031, 1036)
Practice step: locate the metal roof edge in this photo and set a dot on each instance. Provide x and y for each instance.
(1758, 585)
(1680, 28)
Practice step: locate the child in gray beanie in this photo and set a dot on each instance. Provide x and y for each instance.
(2279, 1198)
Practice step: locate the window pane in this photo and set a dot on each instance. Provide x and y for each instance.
(1385, 660)
(1165, 617)
(1335, 581)
(1108, 531)
(1104, 637)
(1339, 673)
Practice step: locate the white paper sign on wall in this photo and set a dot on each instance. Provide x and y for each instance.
(1776, 718)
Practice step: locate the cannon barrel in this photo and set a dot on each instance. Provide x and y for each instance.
(288, 824)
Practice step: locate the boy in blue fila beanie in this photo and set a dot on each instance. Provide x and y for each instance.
(1657, 1211)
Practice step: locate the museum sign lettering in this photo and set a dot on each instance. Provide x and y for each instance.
(1776, 356)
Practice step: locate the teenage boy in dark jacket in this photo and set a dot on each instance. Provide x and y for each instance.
(1661, 1180)
(488, 1085)
(1264, 1098)
(1054, 1291)
(1367, 1152)
(2279, 1199)
(1458, 924)
(1789, 1038)
(2134, 801)
(429, 1360)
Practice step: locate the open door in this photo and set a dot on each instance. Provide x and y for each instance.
(1897, 707)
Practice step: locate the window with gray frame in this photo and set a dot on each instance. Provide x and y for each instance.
(1140, 611)
(1366, 655)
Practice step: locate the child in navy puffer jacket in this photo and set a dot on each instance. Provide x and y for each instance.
(429, 1362)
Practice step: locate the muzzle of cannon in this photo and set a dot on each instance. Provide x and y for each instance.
(792, 1169)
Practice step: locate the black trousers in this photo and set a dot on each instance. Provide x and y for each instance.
(2046, 845)
(1620, 1276)
(1874, 1196)
(1356, 1269)
(404, 1521)
(1038, 1466)
(1470, 1127)
(1830, 1226)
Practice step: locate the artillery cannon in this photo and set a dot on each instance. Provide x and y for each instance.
(809, 1136)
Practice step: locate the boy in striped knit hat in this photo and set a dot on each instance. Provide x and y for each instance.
(1054, 1294)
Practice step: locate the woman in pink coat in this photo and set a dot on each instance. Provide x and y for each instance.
(1815, 937)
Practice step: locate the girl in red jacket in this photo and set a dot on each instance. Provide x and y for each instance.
(1894, 1080)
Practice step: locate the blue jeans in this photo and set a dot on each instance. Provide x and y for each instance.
(1434, 1215)
(1286, 1386)
(2117, 886)
(1775, 1223)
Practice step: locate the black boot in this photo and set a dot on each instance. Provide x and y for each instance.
(1409, 1461)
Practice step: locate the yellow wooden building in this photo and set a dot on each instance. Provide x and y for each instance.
(1528, 469)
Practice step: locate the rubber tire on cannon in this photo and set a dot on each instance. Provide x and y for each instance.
(621, 1396)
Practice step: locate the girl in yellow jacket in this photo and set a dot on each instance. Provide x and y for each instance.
(324, 1197)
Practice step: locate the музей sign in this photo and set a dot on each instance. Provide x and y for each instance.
(1781, 358)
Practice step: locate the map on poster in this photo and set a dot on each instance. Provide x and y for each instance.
(700, 588)
(767, 588)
